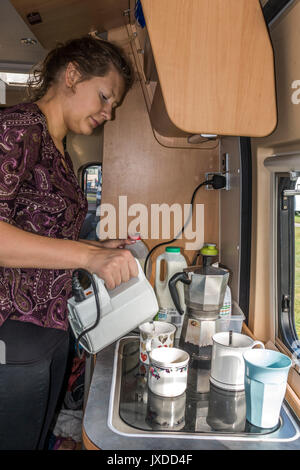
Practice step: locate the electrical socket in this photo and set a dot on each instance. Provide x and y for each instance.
(224, 172)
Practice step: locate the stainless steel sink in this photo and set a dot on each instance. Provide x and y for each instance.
(130, 412)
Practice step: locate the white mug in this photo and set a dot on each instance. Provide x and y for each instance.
(227, 364)
(153, 335)
(168, 371)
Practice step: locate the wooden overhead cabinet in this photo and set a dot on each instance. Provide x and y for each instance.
(215, 66)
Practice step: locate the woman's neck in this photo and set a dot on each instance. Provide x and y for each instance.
(50, 106)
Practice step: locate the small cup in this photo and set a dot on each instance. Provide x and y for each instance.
(266, 373)
(168, 371)
(153, 335)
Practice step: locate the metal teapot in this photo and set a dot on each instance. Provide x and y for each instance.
(204, 290)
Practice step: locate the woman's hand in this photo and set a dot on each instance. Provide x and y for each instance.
(112, 265)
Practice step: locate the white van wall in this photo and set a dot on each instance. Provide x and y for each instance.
(85, 149)
(285, 39)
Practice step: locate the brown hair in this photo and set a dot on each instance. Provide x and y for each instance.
(93, 57)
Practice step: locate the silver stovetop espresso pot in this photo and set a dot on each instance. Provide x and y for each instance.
(204, 290)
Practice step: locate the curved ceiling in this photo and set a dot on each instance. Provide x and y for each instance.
(65, 19)
(13, 54)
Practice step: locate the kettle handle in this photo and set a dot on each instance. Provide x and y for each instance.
(183, 277)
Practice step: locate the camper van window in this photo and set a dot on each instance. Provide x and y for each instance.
(297, 260)
(92, 187)
(288, 259)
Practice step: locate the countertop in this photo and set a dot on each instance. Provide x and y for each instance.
(98, 434)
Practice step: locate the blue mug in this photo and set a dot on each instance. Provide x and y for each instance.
(266, 373)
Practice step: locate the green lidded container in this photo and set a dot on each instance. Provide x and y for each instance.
(209, 249)
(172, 249)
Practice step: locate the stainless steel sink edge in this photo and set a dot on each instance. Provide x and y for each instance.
(128, 431)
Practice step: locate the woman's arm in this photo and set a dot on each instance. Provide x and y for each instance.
(120, 243)
(22, 249)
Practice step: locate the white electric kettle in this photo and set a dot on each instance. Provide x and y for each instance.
(100, 318)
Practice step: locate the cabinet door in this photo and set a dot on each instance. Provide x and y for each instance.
(215, 65)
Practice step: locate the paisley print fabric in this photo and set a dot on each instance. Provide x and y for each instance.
(39, 195)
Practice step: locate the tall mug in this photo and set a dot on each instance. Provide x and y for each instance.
(266, 373)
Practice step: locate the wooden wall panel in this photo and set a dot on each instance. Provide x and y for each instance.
(136, 165)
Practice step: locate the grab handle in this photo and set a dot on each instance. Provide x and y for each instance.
(183, 277)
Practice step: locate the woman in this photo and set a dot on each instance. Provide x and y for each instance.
(42, 208)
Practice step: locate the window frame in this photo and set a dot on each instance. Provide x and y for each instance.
(286, 261)
(281, 166)
(83, 168)
(92, 217)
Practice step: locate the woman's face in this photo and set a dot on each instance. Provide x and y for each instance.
(90, 102)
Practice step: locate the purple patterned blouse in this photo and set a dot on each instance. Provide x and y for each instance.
(38, 195)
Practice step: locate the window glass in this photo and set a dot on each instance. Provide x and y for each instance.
(92, 187)
(297, 261)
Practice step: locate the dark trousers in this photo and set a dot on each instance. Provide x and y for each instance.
(28, 396)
